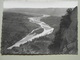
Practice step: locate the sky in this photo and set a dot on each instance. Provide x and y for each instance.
(29, 4)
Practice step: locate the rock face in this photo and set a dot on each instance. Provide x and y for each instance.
(66, 38)
(70, 34)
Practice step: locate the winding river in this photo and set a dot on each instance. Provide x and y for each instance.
(37, 20)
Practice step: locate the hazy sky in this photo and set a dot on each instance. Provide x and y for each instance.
(29, 4)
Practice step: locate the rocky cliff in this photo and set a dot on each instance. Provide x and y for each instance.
(65, 41)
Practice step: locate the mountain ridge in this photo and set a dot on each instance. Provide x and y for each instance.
(41, 11)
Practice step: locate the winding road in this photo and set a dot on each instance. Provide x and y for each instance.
(46, 31)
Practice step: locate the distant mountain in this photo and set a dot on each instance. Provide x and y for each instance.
(39, 11)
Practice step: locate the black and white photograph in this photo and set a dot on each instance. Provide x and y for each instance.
(39, 28)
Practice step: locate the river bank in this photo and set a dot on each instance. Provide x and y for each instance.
(47, 30)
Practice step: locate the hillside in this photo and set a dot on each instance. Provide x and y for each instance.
(65, 41)
(15, 26)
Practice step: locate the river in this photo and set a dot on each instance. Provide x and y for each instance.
(36, 20)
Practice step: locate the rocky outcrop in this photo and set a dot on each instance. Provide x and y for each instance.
(70, 34)
(66, 38)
